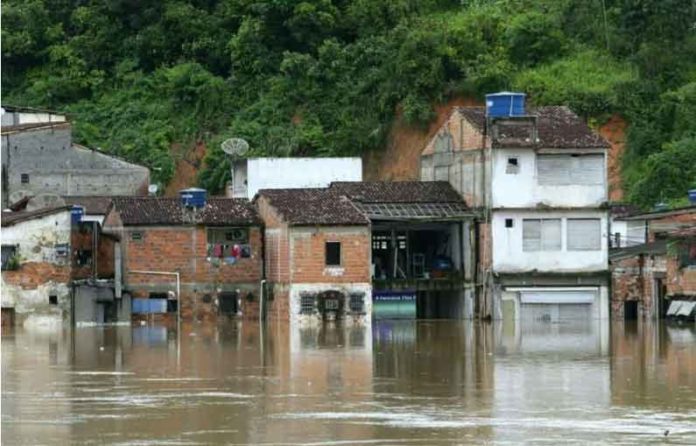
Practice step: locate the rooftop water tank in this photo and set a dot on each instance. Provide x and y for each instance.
(193, 197)
(76, 214)
(505, 104)
(692, 196)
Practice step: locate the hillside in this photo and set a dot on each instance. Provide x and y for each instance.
(154, 80)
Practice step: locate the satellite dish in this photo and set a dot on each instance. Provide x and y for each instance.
(42, 201)
(236, 147)
(152, 189)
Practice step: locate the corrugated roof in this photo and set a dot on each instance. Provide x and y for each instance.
(557, 127)
(143, 211)
(398, 191)
(414, 211)
(12, 218)
(313, 207)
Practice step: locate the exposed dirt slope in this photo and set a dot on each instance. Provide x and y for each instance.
(189, 161)
(400, 159)
(614, 130)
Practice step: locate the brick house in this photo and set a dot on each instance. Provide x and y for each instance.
(317, 246)
(215, 248)
(647, 278)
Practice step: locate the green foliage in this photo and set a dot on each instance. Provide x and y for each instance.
(588, 82)
(328, 77)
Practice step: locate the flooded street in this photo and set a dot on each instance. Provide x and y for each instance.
(397, 382)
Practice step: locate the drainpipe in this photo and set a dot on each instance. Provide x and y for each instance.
(262, 304)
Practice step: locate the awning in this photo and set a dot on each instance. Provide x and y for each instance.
(681, 308)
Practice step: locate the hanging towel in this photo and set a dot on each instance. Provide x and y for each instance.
(217, 250)
(236, 251)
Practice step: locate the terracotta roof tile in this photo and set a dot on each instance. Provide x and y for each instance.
(137, 211)
(398, 191)
(313, 207)
(12, 218)
(557, 127)
(99, 205)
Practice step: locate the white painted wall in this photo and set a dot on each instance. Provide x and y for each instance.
(522, 189)
(346, 288)
(26, 117)
(509, 257)
(287, 173)
(631, 232)
(36, 240)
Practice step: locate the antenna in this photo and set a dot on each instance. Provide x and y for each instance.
(235, 147)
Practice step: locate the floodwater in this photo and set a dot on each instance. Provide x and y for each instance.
(397, 382)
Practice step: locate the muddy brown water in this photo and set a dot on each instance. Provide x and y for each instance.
(396, 382)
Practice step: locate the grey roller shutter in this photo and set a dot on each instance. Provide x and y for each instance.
(584, 234)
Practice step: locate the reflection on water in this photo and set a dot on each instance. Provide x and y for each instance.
(397, 382)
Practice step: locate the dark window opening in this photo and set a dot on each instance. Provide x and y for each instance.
(172, 305)
(508, 222)
(512, 166)
(631, 310)
(136, 236)
(228, 303)
(617, 240)
(10, 260)
(83, 257)
(25, 178)
(357, 303)
(53, 299)
(228, 242)
(333, 254)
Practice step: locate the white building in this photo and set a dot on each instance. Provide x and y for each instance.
(253, 174)
(539, 180)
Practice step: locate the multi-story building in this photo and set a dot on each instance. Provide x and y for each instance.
(538, 180)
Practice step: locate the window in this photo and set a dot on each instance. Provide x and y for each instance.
(228, 235)
(228, 242)
(10, 261)
(136, 236)
(687, 253)
(53, 300)
(558, 170)
(357, 303)
(584, 234)
(83, 257)
(512, 166)
(307, 303)
(541, 234)
(333, 253)
(62, 249)
(24, 178)
(508, 222)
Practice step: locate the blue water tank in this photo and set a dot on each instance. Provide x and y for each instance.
(76, 214)
(193, 197)
(692, 196)
(505, 104)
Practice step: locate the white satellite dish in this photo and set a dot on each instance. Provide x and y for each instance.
(152, 189)
(235, 147)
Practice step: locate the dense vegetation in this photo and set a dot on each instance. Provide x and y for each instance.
(328, 77)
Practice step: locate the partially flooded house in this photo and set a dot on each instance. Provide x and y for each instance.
(37, 266)
(195, 257)
(537, 177)
(657, 278)
(317, 254)
(422, 247)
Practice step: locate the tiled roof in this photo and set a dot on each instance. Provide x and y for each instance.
(12, 218)
(557, 127)
(313, 207)
(97, 205)
(137, 211)
(398, 191)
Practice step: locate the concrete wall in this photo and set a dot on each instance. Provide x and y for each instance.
(29, 117)
(508, 255)
(42, 272)
(521, 189)
(274, 173)
(54, 165)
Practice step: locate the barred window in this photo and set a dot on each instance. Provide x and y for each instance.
(357, 303)
(307, 303)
